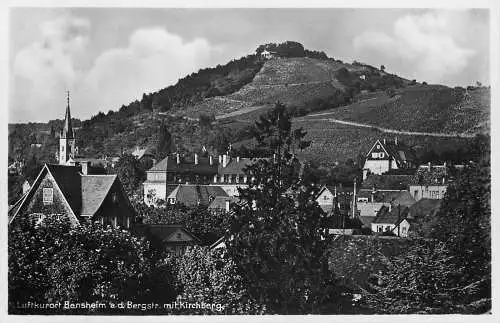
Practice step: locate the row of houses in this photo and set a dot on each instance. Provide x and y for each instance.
(72, 190)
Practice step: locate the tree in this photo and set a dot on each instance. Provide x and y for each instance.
(463, 220)
(53, 262)
(423, 280)
(276, 236)
(129, 173)
(165, 143)
(382, 68)
(212, 277)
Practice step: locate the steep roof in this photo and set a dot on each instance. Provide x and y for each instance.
(158, 233)
(392, 216)
(69, 181)
(83, 193)
(186, 165)
(196, 194)
(401, 152)
(95, 188)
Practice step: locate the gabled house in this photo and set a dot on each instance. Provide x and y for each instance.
(74, 195)
(173, 238)
(392, 220)
(386, 155)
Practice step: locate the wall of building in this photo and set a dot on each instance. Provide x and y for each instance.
(325, 198)
(377, 166)
(115, 210)
(404, 227)
(435, 192)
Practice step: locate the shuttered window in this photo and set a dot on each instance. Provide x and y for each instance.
(48, 196)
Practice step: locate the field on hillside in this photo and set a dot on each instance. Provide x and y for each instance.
(421, 108)
(297, 70)
(293, 81)
(336, 142)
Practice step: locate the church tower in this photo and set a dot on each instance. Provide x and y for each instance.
(66, 139)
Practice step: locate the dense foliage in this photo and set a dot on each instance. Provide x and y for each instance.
(212, 277)
(276, 237)
(206, 225)
(52, 262)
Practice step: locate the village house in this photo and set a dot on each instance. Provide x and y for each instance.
(173, 238)
(386, 155)
(144, 155)
(430, 181)
(392, 220)
(70, 193)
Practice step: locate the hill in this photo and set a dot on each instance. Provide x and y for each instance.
(315, 89)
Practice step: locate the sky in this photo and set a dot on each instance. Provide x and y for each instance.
(109, 57)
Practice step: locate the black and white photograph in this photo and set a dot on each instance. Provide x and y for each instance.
(217, 161)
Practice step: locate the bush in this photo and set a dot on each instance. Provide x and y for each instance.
(53, 262)
(211, 277)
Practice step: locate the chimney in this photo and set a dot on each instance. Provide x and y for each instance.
(373, 195)
(429, 166)
(384, 141)
(396, 141)
(211, 159)
(196, 159)
(178, 159)
(274, 157)
(227, 205)
(238, 159)
(85, 167)
(225, 160)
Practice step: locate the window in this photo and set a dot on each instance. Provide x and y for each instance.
(48, 196)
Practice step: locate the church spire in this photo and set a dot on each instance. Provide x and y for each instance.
(67, 131)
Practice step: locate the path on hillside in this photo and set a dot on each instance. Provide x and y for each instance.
(400, 132)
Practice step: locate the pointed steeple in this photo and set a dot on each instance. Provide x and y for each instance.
(67, 131)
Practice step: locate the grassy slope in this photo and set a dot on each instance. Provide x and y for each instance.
(336, 142)
(421, 108)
